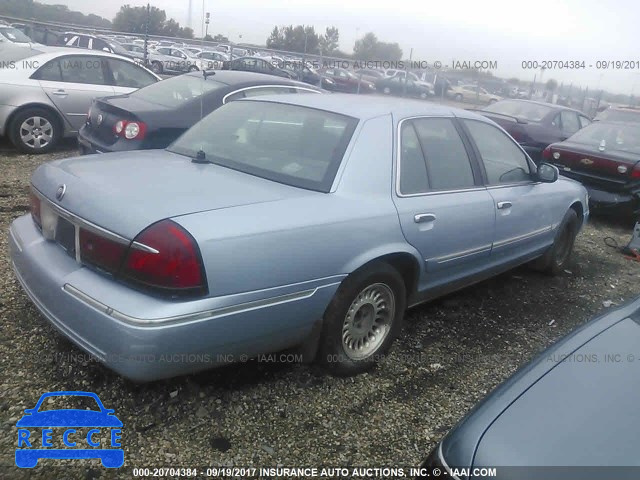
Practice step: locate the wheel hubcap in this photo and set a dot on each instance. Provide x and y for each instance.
(36, 132)
(368, 321)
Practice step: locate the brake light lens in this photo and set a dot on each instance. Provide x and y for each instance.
(635, 173)
(130, 130)
(546, 153)
(100, 251)
(166, 258)
(34, 200)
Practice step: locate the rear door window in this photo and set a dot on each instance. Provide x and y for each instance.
(448, 164)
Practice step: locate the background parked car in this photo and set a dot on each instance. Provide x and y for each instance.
(413, 77)
(14, 35)
(93, 42)
(535, 125)
(47, 98)
(212, 60)
(162, 112)
(571, 408)
(308, 74)
(370, 75)
(400, 86)
(257, 65)
(472, 93)
(619, 114)
(346, 81)
(177, 60)
(605, 157)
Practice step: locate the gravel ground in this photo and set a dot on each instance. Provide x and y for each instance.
(451, 353)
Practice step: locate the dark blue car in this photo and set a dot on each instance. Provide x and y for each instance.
(29, 454)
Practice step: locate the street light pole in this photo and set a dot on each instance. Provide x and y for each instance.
(206, 22)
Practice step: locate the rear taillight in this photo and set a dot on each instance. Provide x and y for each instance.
(35, 208)
(130, 130)
(635, 173)
(166, 258)
(546, 153)
(100, 251)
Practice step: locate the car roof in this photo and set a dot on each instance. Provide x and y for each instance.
(43, 54)
(365, 107)
(544, 104)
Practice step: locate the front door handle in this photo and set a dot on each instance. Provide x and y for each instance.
(504, 205)
(424, 217)
(60, 93)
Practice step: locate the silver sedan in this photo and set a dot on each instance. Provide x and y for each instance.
(45, 93)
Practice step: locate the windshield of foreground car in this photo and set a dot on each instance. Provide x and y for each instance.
(524, 110)
(620, 137)
(176, 91)
(289, 144)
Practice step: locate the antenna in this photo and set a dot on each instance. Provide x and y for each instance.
(202, 65)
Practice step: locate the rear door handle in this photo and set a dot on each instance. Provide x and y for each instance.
(504, 205)
(424, 217)
(60, 93)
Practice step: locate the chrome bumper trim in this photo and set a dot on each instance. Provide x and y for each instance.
(190, 317)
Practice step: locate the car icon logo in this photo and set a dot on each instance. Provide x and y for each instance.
(36, 435)
(586, 161)
(62, 189)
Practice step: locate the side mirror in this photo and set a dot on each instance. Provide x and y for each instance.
(547, 173)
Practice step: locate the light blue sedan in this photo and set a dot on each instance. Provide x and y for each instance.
(283, 221)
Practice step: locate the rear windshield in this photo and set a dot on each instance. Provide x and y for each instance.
(524, 110)
(176, 91)
(610, 136)
(289, 144)
(619, 115)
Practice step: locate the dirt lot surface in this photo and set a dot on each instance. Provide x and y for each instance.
(451, 353)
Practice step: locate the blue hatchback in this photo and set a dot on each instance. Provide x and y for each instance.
(27, 457)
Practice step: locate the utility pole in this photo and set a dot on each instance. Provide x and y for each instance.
(206, 22)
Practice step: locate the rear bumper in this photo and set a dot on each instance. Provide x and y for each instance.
(87, 146)
(146, 338)
(620, 203)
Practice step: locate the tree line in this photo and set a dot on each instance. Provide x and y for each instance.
(304, 39)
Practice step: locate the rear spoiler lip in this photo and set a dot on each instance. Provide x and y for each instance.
(488, 114)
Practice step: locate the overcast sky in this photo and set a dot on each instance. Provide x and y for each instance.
(507, 31)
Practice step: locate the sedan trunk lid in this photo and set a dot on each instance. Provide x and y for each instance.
(594, 165)
(126, 192)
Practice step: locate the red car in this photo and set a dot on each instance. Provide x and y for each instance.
(605, 157)
(346, 81)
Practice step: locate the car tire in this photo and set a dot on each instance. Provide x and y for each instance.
(424, 96)
(557, 258)
(193, 68)
(362, 320)
(156, 67)
(458, 97)
(492, 101)
(35, 130)
(386, 90)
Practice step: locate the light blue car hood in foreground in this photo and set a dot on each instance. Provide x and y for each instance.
(126, 192)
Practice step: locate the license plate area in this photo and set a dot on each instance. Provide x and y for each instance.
(66, 236)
